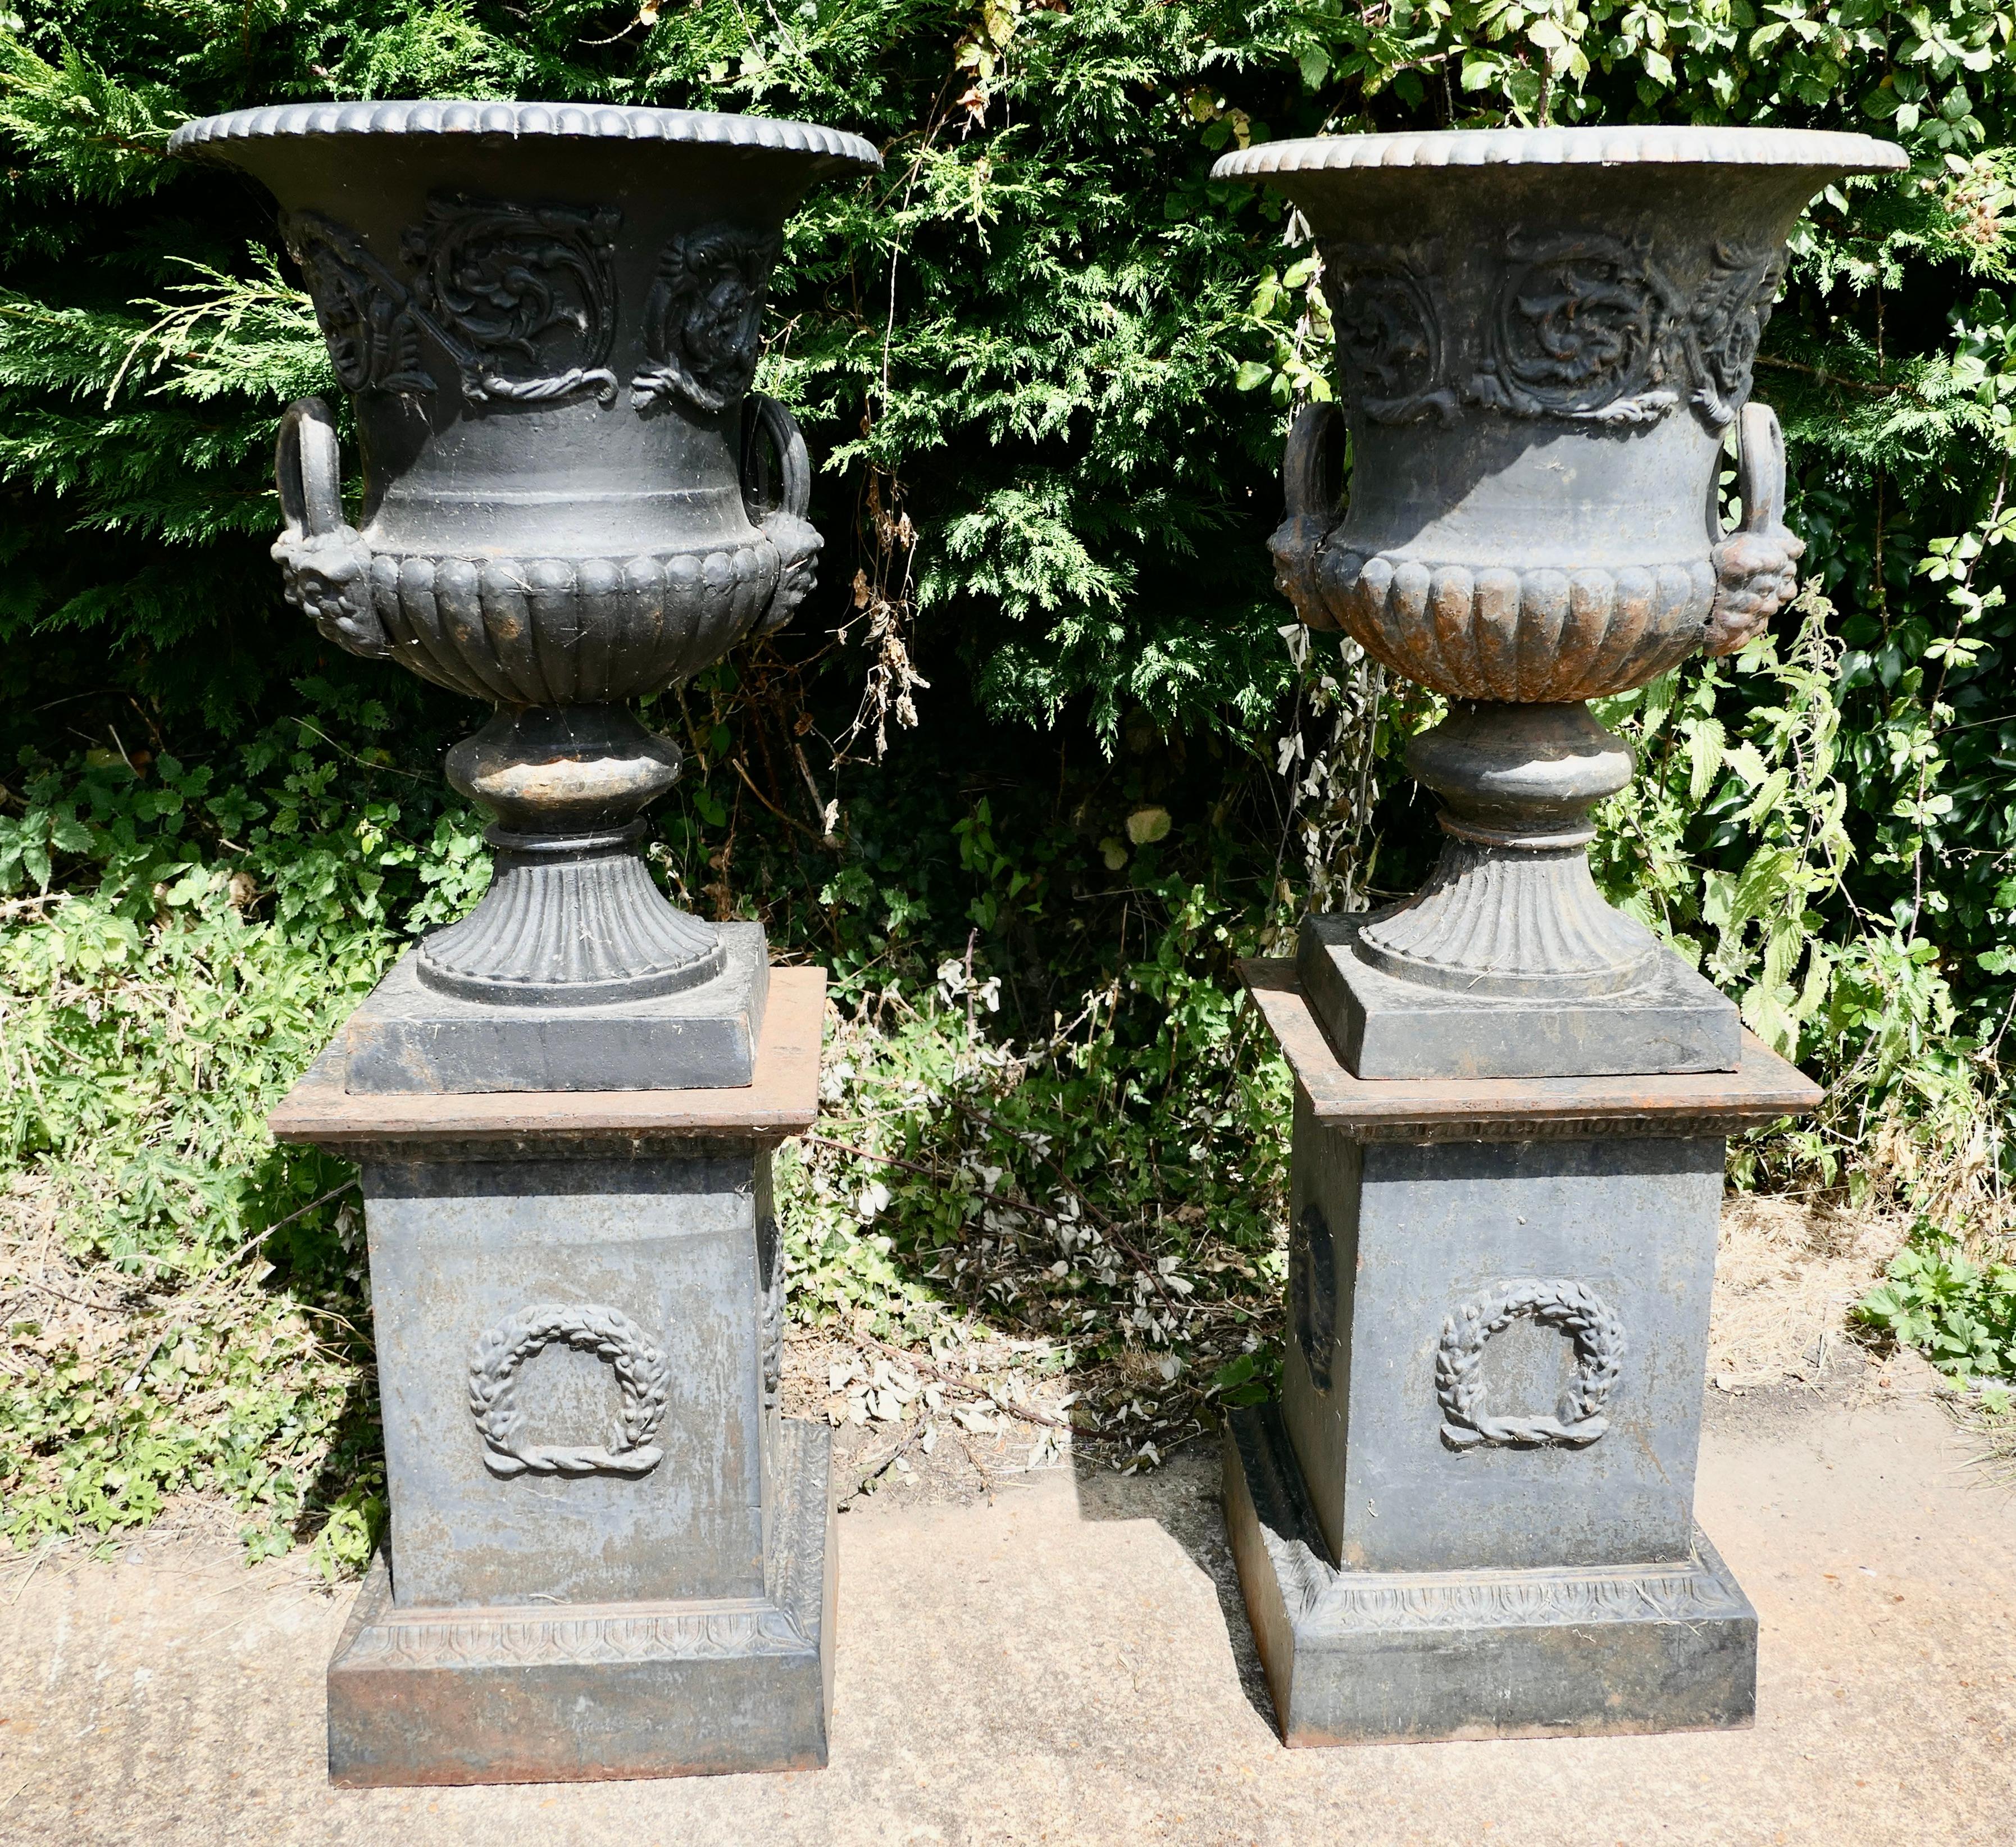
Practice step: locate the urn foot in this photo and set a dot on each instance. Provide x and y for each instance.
(1508, 962)
(572, 918)
(569, 924)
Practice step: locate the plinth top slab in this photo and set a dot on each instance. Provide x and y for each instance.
(1762, 1089)
(783, 1100)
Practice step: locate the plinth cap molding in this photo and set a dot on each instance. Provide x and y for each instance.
(1631, 144)
(782, 1101)
(1764, 1089)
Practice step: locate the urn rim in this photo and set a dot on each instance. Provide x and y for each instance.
(1631, 144)
(528, 121)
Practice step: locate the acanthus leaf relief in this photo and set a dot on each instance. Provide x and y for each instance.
(364, 312)
(1725, 325)
(703, 319)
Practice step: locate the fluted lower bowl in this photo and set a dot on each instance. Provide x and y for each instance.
(570, 630)
(1545, 634)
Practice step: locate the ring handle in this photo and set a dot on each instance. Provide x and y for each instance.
(1307, 471)
(1753, 565)
(308, 469)
(1760, 469)
(769, 431)
(325, 563)
(1306, 464)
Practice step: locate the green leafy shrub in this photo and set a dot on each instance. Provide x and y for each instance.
(1960, 1314)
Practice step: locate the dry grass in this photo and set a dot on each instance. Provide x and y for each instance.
(1787, 1272)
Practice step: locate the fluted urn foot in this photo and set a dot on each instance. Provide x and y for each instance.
(1511, 910)
(575, 972)
(1508, 962)
(572, 918)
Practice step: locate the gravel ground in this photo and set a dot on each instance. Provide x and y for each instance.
(1059, 1656)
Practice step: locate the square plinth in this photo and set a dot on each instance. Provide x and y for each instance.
(608, 1555)
(1364, 1658)
(406, 1038)
(1471, 1513)
(1386, 1027)
(1497, 1350)
(574, 1361)
(554, 1692)
(1499, 1301)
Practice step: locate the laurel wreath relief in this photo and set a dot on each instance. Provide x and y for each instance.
(1571, 1308)
(641, 1371)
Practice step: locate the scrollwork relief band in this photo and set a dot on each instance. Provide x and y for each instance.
(703, 319)
(1582, 330)
(496, 285)
(1387, 307)
(495, 281)
(642, 1373)
(492, 285)
(1571, 1308)
(1587, 326)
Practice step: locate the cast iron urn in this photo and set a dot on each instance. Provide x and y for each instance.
(1470, 1513)
(1545, 339)
(548, 320)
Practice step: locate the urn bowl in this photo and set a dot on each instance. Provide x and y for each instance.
(548, 318)
(1543, 339)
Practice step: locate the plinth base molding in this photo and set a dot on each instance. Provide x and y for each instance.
(581, 1692)
(1368, 1657)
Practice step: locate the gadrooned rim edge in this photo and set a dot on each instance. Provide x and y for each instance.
(566, 120)
(1819, 149)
